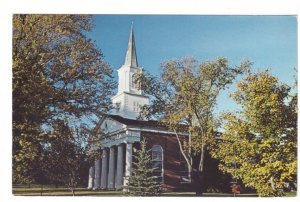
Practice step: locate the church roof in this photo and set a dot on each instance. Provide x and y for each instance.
(140, 123)
(148, 126)
(131, 57)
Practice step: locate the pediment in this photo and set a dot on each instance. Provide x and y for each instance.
(110, 126)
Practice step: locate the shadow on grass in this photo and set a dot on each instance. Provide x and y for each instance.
(85, 192)
(66, 192)
(192, 194)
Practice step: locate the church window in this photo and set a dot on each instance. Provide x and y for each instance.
(157, 162)
(136, 107)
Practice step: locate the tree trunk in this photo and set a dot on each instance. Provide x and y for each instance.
(199, 175)
(73, 191)
(273, 184)
(187, 159)
(190, 171)
(195, 176)
(201, 163)
(198, 182)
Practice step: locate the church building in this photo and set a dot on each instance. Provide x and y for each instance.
(123, 132)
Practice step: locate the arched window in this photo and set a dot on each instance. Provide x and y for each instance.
(157, 162)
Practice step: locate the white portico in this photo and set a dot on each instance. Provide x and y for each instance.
(114, 168)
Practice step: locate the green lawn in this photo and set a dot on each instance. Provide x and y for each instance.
(61, 191)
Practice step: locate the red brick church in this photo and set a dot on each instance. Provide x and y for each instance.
(123, 132)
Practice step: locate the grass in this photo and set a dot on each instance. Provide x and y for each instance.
(291, 194)
(61, 191)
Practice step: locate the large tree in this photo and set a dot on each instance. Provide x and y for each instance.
(58, 74)
(259, 144)
(184, 99)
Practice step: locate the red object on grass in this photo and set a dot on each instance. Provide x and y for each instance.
(235, 189)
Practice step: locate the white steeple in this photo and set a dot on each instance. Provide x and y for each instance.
(130, 97)
(131, 58)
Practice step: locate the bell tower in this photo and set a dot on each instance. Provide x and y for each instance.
(130, 97)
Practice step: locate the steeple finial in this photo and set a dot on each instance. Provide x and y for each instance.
(131, 58)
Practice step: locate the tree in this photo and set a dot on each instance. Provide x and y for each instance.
(259, 144)
(184, 99)
(142, 182)
(58, 74)
(64, 155)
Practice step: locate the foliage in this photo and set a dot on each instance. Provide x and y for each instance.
(142, 182)
(27, 161)
(184, 99)
(261, 139)
(64, 155)
(58, 74)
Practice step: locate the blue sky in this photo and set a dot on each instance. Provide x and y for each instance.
(267, 41)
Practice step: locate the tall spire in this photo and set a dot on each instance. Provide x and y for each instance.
(129, 98)
(131, 58)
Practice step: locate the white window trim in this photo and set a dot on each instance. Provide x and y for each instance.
(162, 161)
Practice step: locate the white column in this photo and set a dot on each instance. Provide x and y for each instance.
(104, 170)
(111, 172)
(91, 177)
(97, 174)
(119, 167)
(128, 162)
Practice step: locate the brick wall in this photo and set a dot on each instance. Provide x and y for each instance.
(173, 161)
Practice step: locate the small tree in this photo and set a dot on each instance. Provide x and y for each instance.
(64, 156)
(141, 182)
